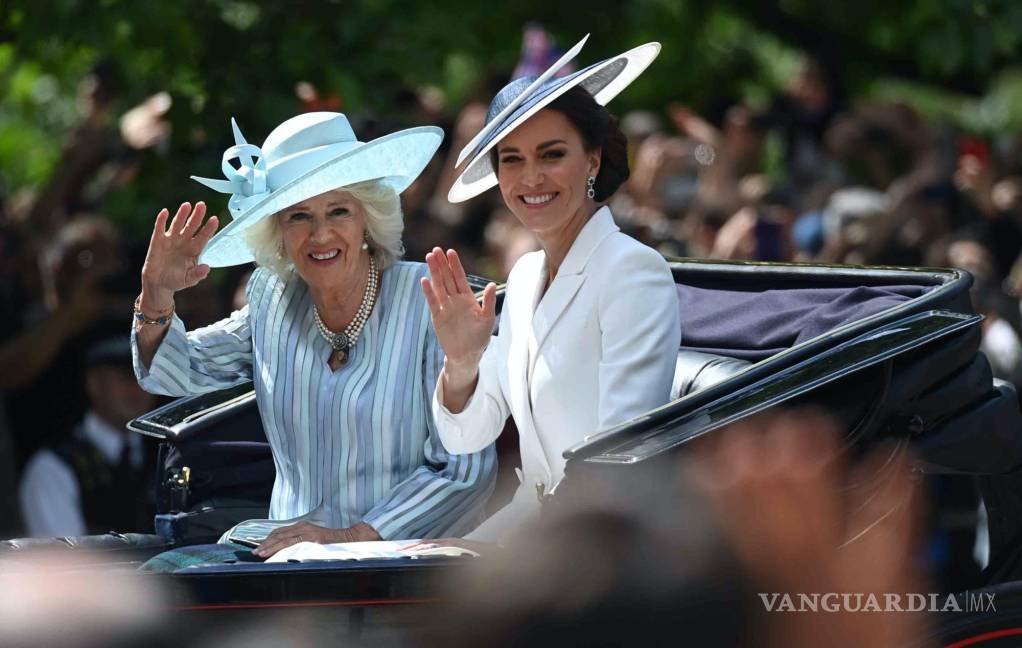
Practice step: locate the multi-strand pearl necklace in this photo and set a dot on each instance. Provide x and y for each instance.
(343, 341)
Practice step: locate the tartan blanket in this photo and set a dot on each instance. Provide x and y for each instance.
(206, 554)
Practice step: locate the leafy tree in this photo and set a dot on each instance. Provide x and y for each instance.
(242, 58)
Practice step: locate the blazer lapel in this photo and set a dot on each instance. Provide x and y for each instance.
(553, 304)
(532, 323)
(571, 275)
(521, 310)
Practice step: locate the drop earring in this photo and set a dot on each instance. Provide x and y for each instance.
(365, 242)
(590, 190)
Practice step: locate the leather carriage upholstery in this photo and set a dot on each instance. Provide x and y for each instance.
(696, 370)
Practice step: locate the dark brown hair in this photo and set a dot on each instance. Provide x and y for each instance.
(599, 130)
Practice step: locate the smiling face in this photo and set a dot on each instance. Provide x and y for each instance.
(323, 238)
(542, 167)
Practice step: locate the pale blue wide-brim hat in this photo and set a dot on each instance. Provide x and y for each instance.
(305, 156)
(524, 97)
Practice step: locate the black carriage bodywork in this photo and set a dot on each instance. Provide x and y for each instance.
(902, 363)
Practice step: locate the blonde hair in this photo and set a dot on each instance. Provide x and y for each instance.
(384, 222)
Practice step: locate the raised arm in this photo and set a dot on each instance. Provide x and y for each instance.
(171, 265)
(468, 404)
(463, 325)
(167, 359)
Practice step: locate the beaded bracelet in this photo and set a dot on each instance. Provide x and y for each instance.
(141, 318)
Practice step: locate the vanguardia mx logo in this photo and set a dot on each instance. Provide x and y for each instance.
(873, 602)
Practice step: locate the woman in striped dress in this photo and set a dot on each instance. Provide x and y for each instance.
(336, 336)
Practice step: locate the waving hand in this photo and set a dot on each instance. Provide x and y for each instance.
(463, 325)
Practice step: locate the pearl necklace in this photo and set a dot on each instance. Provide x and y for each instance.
(341, 342)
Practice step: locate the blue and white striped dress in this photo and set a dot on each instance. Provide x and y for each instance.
(358, 444)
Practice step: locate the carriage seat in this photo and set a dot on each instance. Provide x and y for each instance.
(695, 370)
(106, 548)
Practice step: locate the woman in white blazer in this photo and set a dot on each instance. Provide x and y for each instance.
(589, 329)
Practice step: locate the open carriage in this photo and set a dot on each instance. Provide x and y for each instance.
(891, 353)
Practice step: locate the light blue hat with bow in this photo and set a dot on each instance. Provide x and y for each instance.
(305, 156)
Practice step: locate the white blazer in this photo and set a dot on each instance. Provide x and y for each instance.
(599, 348)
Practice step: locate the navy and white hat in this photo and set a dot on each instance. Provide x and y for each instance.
(524, 97)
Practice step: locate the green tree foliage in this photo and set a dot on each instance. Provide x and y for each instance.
(242, 58)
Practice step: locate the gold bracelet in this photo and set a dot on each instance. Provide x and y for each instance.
(143, 319)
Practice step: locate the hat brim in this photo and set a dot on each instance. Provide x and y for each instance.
(604, 80)
(396, 159)
(540, 81)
